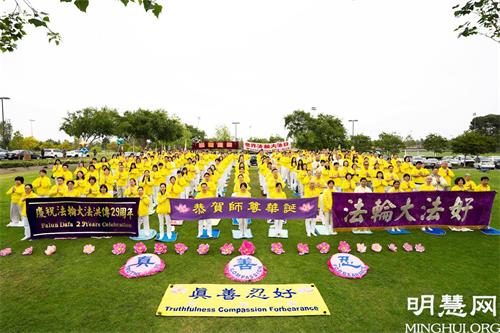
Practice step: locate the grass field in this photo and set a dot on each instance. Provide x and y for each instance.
(70, 291)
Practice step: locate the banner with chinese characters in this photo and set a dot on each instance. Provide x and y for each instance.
(259, 208)
(242, 300)
(412, 209)
(255, 146)
(82, 217)
(215, 145)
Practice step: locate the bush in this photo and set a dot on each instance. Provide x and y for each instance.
(44, 162)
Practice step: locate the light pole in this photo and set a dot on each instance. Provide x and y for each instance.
(198, 126)
(249, 131)
(235, 123)
(353, 121)
(3, 120)
(31, 125)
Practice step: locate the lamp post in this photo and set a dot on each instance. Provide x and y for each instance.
(353, 121)
(31, 126)
(3, 119)
(235, 123)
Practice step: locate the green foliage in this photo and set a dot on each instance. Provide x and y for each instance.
(222, 133)
(91, 124)
(435, 143)
(361, 142)
(486, 125)
(276, 138)
(473, 143)
(482, 17)
(195, 133)
(13, 24)
(389, 142)
(272, 139)
(315, 133)
(5, 133)
(409, 141)
(6, 164)
(17, 141)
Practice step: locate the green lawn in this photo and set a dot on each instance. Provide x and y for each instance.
(70, 291)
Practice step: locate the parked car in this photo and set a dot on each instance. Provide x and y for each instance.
(416, 159)
(496, 159)
(130, 153)
(485, 163)
(76, 153)
(19, 154)
(465, 161)
(52, 153)
(452, 162)
(3, 154)
(431, 163)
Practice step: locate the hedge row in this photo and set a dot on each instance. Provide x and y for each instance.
(5, 164)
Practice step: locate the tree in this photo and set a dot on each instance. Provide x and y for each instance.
(17, 141)
(361, 142)
(435, 143)
(195, 133)
(473, 143)
(6, 133)
(157, 126)
(315, 133)
(389, 142)
(486, 125)
(275, 138)
(482, 18)
(409, 141)
(222, 133)
(13, 24)
(91, 124)
(258, 140)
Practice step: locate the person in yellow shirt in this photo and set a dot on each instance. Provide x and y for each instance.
(312, 191)
(173, 189)
(157, 180)
(470, 185)
(243, 222)
(147, 184)
(407, 185)
(163, 211)
(57, 169)
(107, 179)
(348, 184)
(326, 207)
(59, 189)
(104, 192)
(27, 194)
(134, 171)
(484, 185)
(427, 186)
(396, 187)
(131, 190)
(379, 184)
(445, 172)
(81, 167)
(240, 180)
(92, 172)
(144, 203)
(72, 190)
(16, 192)
(66, 173)
(390, 175)
(80, 182)
(278, 193)
(459, 184)
(121, 177)
(419, 173)
(364, 172)
(92, 188)
(208, 222)
(42, 184)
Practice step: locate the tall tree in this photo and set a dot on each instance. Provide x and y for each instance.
(275, 138)
(222, 133)
(13, 23)
(195, 133)
(5, 133)
(486, 125)
(473, 143)
(389, 142)
(361, 142)
(435, 143)
(481, 18)
(91, 124)
(315, 133)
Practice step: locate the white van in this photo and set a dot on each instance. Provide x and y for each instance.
(52, 153)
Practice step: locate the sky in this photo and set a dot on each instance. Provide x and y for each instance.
(396, 66)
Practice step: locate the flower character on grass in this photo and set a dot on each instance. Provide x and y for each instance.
(277, 248)
(419, 247)
(203, 249)
(392, 247)
(51, 249)
(119, 248)
(226, 249)
(28, 251)
(407, 247)
(361, 247)
(247, 248)
(344, 247)
(323, 247)
(303, 249)
(160, 248)
(140, 248)
(5, 252)
(376, 247)
(180, 248)
(88, 249)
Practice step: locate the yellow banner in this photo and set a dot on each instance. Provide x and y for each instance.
(242, 300)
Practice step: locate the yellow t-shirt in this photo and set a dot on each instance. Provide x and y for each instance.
(163, 203)
(22, 201)
(16, 193)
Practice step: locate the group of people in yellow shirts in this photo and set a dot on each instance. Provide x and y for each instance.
(153, 177)
(156, 176)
